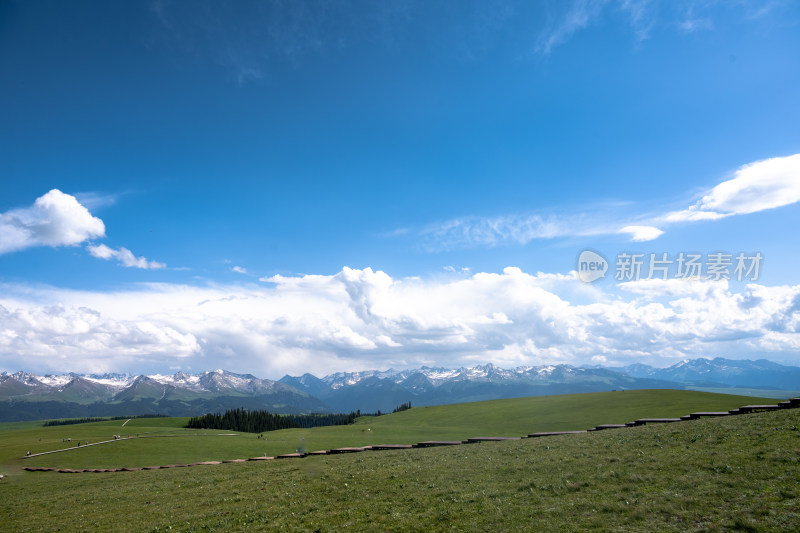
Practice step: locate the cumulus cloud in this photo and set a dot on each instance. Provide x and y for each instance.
(239, 270)
(61, 338)
(361, 318)
(55, 219)
(59, 219)
(655, 288)
(124, 256)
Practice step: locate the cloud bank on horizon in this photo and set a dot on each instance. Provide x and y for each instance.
(363, 319)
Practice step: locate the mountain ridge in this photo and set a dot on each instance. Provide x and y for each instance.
(386, 389)
(24, 395)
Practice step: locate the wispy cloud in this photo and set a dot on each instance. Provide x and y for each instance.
(757, 186)
(641, 17)
(239, 270)
(518, 229)
(96, 200)
(692, 25)
(579, 16)
(124, 256)
(246, 39)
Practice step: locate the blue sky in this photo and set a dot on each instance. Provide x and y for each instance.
(276, 187)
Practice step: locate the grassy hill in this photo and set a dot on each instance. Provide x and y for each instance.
(711, 474)
(511, 417)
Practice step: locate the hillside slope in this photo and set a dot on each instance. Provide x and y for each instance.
(730, 474)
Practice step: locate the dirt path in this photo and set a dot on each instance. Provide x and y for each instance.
(77, 447)
(128, 420)
(120, 439)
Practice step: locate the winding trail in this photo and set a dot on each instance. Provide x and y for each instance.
(122, 439)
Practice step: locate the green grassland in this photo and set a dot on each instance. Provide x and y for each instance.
(732, 473)
(167, 441)
(765, 393)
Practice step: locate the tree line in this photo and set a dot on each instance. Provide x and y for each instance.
(402, 407)
(257, 421)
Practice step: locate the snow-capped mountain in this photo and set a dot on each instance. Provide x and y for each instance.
(25, 396)
(384, 390)
(373, 389)
(723, 372)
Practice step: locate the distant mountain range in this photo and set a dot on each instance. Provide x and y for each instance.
(385, 390)
(721, 372)
(26, 396)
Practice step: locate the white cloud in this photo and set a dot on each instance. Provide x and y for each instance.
(239, 270)
(58, 337)
(642, 233)
(59, 219)
(360, 318)
(654, 288)
(124, 256)
(755, 187)
(55, 219)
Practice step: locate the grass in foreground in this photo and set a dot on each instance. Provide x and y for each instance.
(734, 473)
